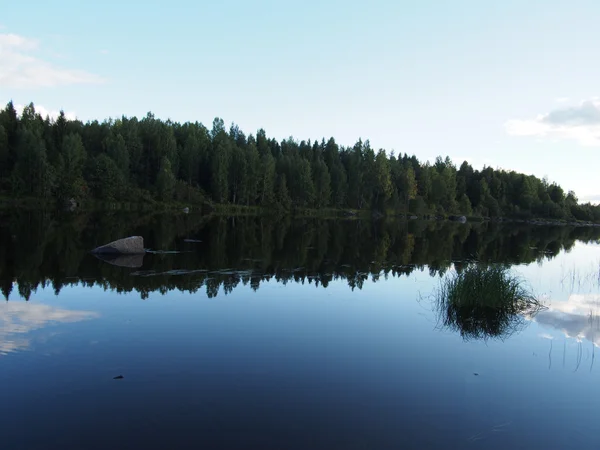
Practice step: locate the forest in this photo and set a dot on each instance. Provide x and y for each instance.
(132, 161)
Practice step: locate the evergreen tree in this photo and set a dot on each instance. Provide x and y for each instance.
(322, 184)
(106, 178)
(116, 148)
(4, 153)
(283, 195)
(165, 181)
(32, 174)
(267, 179)
(71, 161)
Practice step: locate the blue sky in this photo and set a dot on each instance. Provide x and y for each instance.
(511, 84)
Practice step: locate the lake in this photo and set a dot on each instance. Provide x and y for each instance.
(248, 332)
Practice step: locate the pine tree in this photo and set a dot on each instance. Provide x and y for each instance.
(71, 160)
(165, 181)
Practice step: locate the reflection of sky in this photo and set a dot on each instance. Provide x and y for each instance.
(578, 317)
(569, 285)
(18, 319)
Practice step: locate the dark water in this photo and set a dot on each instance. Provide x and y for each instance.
(306, 334)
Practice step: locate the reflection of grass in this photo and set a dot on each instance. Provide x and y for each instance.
(483, 302)
(577, 278)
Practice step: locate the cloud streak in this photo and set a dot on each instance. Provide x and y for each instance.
(20, 68)
(580, 123)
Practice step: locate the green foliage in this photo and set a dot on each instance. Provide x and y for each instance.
(71, 160)
(4, 153)
(322, 184)
(283, 195)
(464, 205)
(106, 179)
(32, 174)
(116, 148)
(383, 181)
(45, 158)
(220, 162)
(266, 179)
(165, 181)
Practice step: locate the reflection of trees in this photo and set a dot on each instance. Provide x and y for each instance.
(39, 248)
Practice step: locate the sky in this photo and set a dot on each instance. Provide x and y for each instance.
(510, 84)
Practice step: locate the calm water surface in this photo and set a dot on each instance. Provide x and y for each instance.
(250, 333)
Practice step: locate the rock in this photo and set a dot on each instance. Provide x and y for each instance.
(132, 245)
(461, 219)
(186, 210)
(70, 204)
(116, 259)
(413, 217)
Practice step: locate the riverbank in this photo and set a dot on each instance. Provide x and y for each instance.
(151, 205)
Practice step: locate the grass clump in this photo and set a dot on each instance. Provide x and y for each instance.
(483, 302)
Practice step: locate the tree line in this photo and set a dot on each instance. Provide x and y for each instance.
(148, 160)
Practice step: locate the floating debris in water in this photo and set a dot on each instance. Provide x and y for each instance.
(240, 273)
(118, 377)
(153, 273)
(167, 252)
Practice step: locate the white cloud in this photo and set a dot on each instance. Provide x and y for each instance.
(20, 68)
(592, 198)
(10, 40)
(44, 112)
(104, 52)
(580, 123)
(561, 99)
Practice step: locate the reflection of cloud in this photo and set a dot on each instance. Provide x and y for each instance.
(18, 318)
(578, 317)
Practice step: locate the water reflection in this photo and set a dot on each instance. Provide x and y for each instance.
(19, 319)
(192, 252)
(578, 318)
(294, 366)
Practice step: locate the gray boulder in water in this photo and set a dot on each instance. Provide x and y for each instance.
(132, 245)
